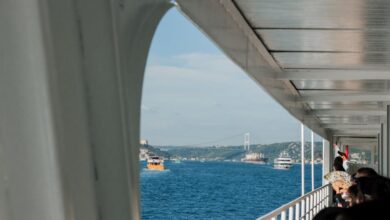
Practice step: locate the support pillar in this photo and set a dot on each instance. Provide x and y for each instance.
(386, 144)
(380, 153)
(312, 161)
(376, 158)
(302, 159)
(326, 158)
(70, 91)
(372, 157)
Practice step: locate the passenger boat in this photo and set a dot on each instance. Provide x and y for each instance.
(155, 163)
(283, 162)
(255, 158)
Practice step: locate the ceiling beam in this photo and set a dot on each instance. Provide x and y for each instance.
(350, 112)
(304, 74)
(355, 134)
(358, 140)
(355, 97)
(350, 122)
(352, 126)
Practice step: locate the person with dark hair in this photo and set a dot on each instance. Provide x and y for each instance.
(353, 196)
(371, 197)
(376, 209)
(339, 185)
(338, 164)
(328, 213)
(365, 172)
(372, 188)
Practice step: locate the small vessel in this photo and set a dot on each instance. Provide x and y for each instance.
(176, 160)
(155, 163)
(255, 158)
(283, 162)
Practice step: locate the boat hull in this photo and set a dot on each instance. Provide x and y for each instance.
(255, 161)
(282, 167)
(155, 167)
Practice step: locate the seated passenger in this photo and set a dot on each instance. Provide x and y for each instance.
(369, 199)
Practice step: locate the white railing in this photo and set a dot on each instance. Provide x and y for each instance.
(305, 207)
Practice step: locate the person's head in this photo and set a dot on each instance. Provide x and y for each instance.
(373, 188)
(354, 195)
(338, 164)
(365, 172)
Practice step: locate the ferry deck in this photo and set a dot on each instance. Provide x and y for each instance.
(72, 74)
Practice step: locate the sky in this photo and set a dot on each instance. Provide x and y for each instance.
(193, 95)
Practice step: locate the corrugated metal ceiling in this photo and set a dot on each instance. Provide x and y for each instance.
(328, 35)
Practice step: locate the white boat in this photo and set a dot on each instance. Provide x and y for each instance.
(283, 162)
(176, 160)
(256, 158)
(155, 163)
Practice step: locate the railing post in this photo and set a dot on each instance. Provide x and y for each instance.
(311, 207)
(290, 213)
(307, 207)
(283, 216)
(329, 196)
(315, 208)
(325, 202)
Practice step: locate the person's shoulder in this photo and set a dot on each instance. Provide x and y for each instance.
(377, 209)
(329, 213)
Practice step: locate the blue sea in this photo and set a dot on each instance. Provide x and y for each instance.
(219, 190)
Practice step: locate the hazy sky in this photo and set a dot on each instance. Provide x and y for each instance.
(194, 94)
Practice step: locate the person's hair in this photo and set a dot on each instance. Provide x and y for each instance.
(372, 188)
(367, 171)
(338, 164)
(373, 200)
(355, 195)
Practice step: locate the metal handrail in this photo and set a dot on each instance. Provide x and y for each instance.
(306, 206)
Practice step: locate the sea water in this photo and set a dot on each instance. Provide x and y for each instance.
(219, 190)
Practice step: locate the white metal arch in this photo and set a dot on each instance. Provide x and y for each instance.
(70, 91)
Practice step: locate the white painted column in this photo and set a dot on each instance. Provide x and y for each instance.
(378, 146)
(302, 159)
(326, 158)
(312, 161)
(373, 153)
(380, 152)
(386, 146)
(70, 91)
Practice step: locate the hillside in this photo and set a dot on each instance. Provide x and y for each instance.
(235, 153)
(271, 151)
